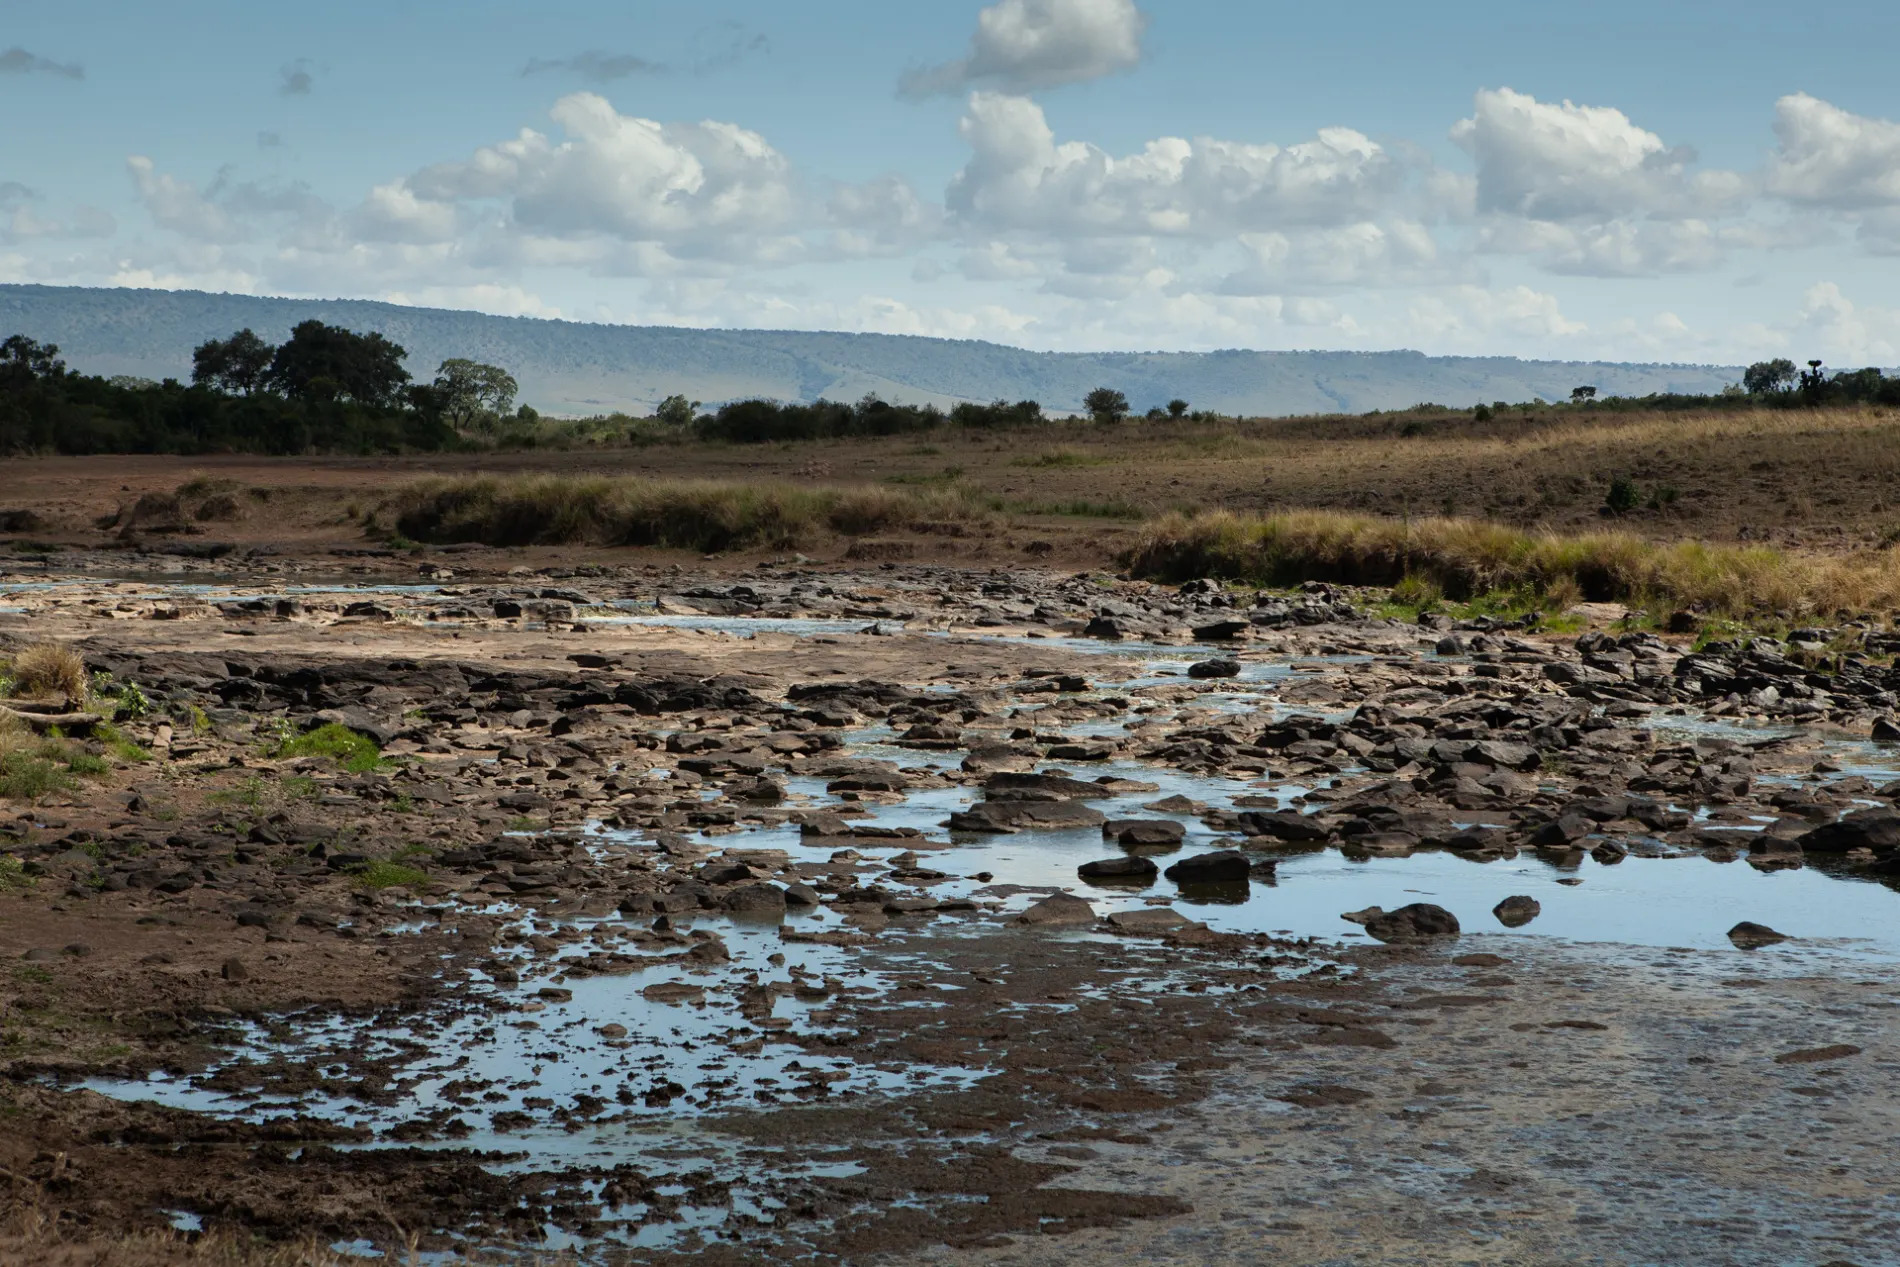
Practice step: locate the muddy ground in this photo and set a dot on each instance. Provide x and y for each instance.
(895, 1062)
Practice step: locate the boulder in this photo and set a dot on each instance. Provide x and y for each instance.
(1751, 936)
(1126, 868)
(1150, 919)
(1214, 669)
(1408, 923)
(1220, 867)
(1285, 825)
(1515, 912)
(1009, 816)
(1144, 833)
(1058, 909)
(1875, 829)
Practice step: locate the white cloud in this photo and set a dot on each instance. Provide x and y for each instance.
(881, 216)
(1024, 45)
(393, 213)
(175, 205)
(1398, 251)
(1020, 178)
(1474, 318)
(1845, 332)
(1570, 162)
(1830, 158)
(624, 177)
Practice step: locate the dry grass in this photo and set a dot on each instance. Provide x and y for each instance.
(1465, 558)
(49, 669)
(694, 515)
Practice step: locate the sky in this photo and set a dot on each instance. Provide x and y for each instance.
(1671, 180)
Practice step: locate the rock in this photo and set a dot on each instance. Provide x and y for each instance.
(1220, 867)
(1515, 912)
(1222, 630)
(1886, 730)
(1150, 919)
(1126, 868)
(801, 894)
(1058, 909)
(1450, 645)
(755, 899)
(1104, 627)
(1008, 785)
(1816, 1055)
(1205, 669)
(612, 1031)
(1408, 923)
(1287, 826)
(1562, 831)
(1139, 833)
(1009, 816)
(1750, 936)
(1875, 829)
(234, 970)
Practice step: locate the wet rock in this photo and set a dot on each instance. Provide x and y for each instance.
(1886, 730)
(1132, 833)
(1007, 785)
(1287, 826)
(1121, 869)
(1817, 1055)
(801, 895)
(1222, 630)
(1408, 923)
(1206, 669)
(1010, 816)
(755, 899)
(1515, 912)
(1219, 867)
(1450, 645)
(1749, 936)
(1059, 909)
(1875, 829)
(1561, 832)
(1150, 919)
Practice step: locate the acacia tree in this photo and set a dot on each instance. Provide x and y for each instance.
(239, 365)
(472, 393)
(1764, 377)
(1105, 404)
(22, 360)
(323, 362)
(676, 411)
(1177, 408)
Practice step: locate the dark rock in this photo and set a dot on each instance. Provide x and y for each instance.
(1126, 868)
(1214, 669)
(1886, 730)
(1219, 867)
(1010, 785)
(758, 898)
(1515, 912)
(1408, 923)
(1287, 826)
(1222, 630)
(1008, 816)
(1150, 919)
(1876, 829)
(1749, 936)
(1142, 833)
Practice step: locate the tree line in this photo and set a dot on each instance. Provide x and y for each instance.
(330, 389)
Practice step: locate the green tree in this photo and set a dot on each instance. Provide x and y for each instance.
(1580, 394)
(323, 362)
(1105, 404)
(1764, 377)
(474, 396)
(237, 366)
(1177, 408)
(676, 411)
(22, 360)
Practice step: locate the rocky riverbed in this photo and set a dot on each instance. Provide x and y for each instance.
(913, 911)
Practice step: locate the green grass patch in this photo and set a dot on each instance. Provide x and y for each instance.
(385, 874)
(13, 876)
(121, 747)
(29, 774)
(355, 752)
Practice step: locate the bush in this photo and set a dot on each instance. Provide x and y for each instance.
(1623, 496)
(50, 668)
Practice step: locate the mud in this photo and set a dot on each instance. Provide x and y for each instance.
(701, 915)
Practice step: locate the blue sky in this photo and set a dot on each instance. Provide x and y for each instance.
(1669, 181)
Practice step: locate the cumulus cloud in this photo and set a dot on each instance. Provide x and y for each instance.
(17, 61)
(594, 64)
(1563, 161)
(177, 205)
(1024, 45)
(1830, 158)
(624, 177)
(1020, 177)
(1367, 253)
(880, 216)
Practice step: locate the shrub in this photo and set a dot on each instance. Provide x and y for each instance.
(50, 668)
(1623, 496)
(384, 874)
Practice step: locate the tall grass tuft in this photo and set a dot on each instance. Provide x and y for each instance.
(49, 669)
(1463, 558)
(697, 515)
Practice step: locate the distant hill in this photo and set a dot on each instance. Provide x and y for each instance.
(571, 368)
